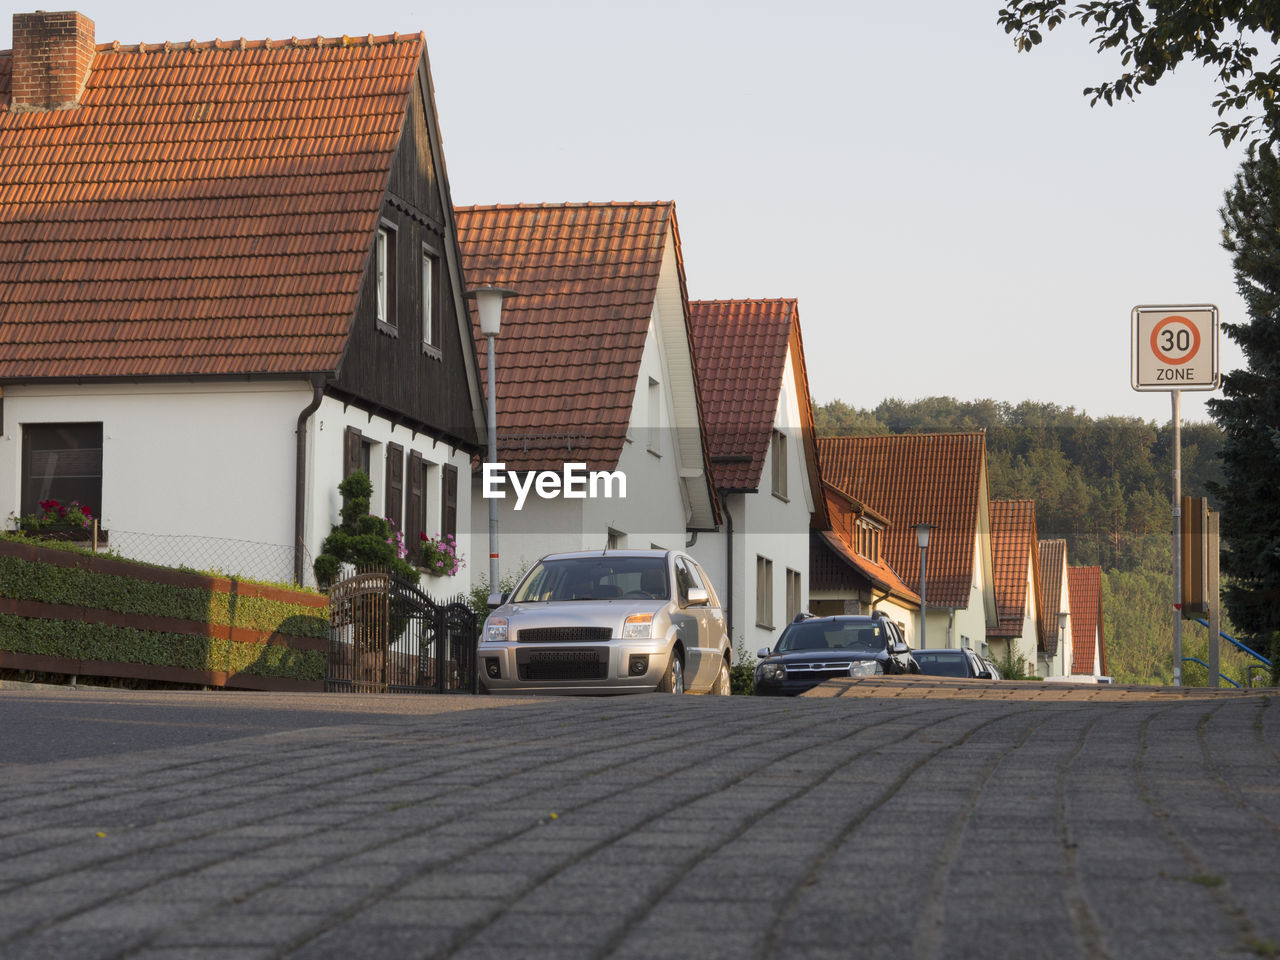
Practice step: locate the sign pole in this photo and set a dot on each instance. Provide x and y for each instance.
(1174, 348)
(1176, 396)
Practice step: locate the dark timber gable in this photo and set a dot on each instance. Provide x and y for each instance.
(386, 367)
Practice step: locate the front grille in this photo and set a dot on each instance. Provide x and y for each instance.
(818, 671)
(562, 664)
(563, 634)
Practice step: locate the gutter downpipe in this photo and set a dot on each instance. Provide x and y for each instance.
(951, 627)
(728, 561)
(300, 478)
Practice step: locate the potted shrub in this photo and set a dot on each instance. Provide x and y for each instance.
(361, 539)
(439, 557)
(58, 521)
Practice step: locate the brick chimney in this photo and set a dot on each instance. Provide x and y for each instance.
(52, 53)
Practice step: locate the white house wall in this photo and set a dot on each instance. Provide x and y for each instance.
(963, 626)
(1059, 665)
(765, 526)
(654, 512)
(204, 474)
(325, 456)
(195, 474)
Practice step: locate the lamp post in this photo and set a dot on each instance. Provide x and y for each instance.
(1062, 639)
(922, 539)
(489, 304)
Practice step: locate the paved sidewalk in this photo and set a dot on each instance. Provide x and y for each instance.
(655, 827)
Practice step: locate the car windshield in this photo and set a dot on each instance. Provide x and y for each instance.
(595, 578)
(826, 635)
(942, 664)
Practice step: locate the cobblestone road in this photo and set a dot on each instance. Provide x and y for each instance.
(918, 823)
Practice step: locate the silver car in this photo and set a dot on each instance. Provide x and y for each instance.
(607, 621)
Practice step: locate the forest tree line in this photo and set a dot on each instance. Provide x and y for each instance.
(1103, 485)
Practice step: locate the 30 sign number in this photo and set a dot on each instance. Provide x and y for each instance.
(1175, 340)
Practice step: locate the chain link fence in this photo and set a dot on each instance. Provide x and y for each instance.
(231, 558)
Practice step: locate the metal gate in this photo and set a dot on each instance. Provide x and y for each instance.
(386, 635)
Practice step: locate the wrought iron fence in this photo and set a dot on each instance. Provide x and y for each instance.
(386, 635)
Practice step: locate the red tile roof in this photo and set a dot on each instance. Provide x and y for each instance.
(571, 341)
(740, 348)
(935, 478)
(208, 209)
(1014, 551)
(1053, 555)
(827, 575)
(1084, 585)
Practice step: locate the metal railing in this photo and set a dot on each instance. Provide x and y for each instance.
(1232, 640)
(1207, 667)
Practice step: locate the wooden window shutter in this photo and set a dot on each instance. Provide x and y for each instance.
(351, 452)
(415, 518)
(395, 485)
(449, 501)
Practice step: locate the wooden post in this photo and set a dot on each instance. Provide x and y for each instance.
(1215, 606)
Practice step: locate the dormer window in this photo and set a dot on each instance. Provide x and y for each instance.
(867, 539)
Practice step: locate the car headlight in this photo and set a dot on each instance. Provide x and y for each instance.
(495, 630)
(865, 668)
(772, 671)
(638, 626)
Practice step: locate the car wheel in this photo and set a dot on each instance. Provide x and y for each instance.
(673, 679)
(721, 687)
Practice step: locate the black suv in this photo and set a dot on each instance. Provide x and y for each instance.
(813, 649)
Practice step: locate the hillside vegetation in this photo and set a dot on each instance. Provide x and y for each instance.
(1103, 485)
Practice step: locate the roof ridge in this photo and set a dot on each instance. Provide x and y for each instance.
(241, 43)
(887, 436)
(749, 300)
(565, 205)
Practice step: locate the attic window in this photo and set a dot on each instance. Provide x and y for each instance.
(430, 311)
(385, 256)
(778, 460)
(867, 539)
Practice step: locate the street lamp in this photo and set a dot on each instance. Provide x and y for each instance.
(1062, 639)
(922, 539)
(489, 304)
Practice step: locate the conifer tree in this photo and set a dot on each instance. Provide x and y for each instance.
(1249, 409)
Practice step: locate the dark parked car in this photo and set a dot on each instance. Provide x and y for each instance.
(814, 649)
(953, 663)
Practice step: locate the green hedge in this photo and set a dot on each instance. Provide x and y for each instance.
(44, 582)
(78, 640)
(34, 580)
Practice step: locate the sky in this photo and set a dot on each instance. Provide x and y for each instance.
(952, 216)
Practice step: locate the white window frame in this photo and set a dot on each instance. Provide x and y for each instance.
(795, 593)
(764, 592)
(384, 251)
(778, 462)
(429, 267)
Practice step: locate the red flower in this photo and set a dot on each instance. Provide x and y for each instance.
(87, 512)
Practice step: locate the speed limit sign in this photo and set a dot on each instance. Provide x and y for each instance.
(1174, 348)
